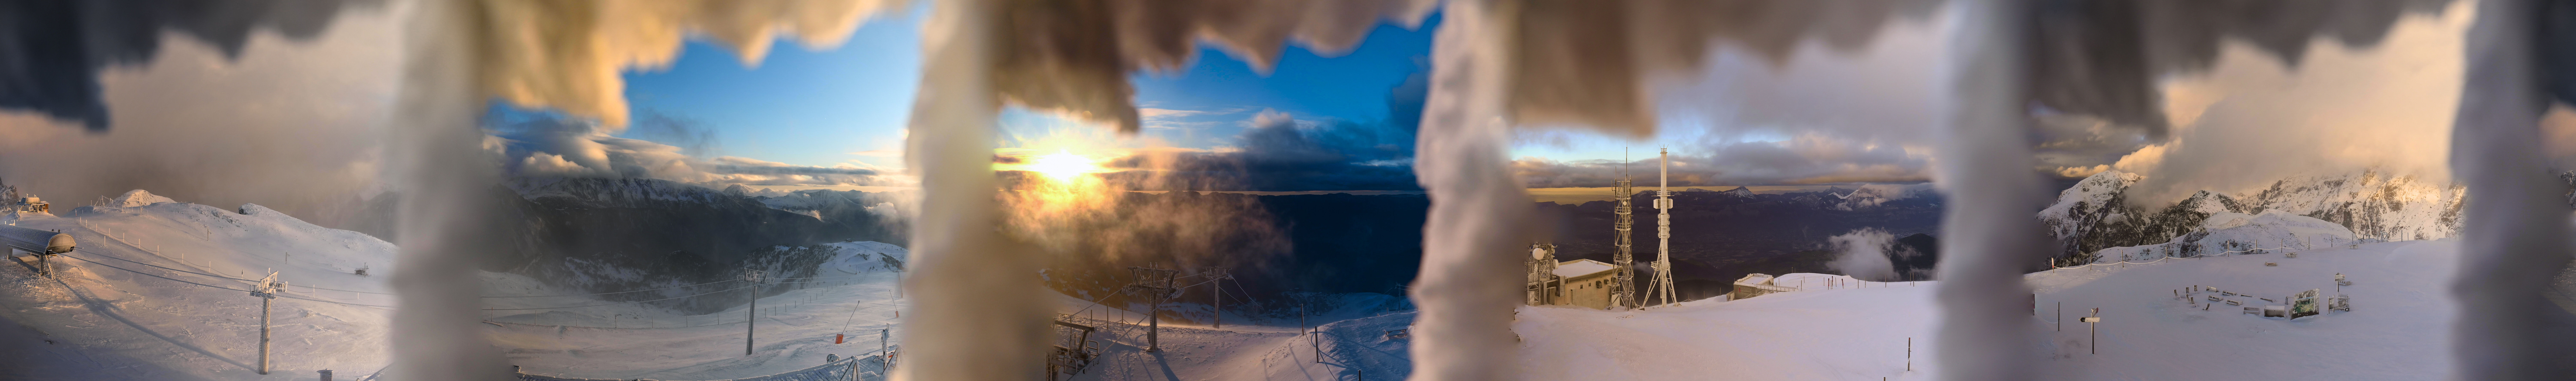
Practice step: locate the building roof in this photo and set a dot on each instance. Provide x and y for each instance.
(1581, 267)
(1755, 278)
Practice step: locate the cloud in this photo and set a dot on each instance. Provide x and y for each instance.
(1806, 159)
(53, 52)
(2252, 119)
(1280, 153)
(283, 113)
(568, 55)
(2105, 58)
(1863, 254)
(555, 146)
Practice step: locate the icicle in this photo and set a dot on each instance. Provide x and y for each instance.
(441, 169)
(2514, 236)
(1985, 162)
(977, 295)
(1470, 274)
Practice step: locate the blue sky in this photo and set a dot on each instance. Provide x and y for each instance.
(848, 103)
(804, 107)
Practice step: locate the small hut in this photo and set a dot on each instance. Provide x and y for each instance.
(1756, 284)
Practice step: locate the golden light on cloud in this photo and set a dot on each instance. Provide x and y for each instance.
(1062, 165)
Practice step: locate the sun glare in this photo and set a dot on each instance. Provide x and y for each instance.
(1062, 165)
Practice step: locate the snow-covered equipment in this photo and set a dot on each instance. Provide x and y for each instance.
(31, 204)
(44, 244)
(36, 241)
(2304, 304)
(2278, 311)
(1074, 351)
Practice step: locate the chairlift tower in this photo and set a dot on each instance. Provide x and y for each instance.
(266, 291)
(1662, 290)
(1623, 285)
(1155, 284)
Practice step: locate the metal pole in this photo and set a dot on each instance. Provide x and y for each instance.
(1154, 322)
(263, 334)
(2061, 316)
(1909, 354)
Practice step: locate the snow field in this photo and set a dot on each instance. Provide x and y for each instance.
(107, 323)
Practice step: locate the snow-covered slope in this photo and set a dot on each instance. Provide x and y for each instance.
(2232, 233)
(854, 295)
(182, 313)
(2398, 328)
(173, 306)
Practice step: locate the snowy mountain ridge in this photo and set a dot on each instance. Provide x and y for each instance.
(612, 192)
(2095, 214)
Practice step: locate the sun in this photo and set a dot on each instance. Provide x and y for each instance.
(1062, 165)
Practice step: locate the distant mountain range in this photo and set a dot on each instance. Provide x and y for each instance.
(611, 234)
(2096, 213)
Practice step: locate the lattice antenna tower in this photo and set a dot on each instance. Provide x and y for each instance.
(1623, 285)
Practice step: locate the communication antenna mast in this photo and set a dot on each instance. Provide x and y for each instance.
(1662, 290)
(1623, 285)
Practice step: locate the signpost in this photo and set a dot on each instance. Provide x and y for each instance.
(2094, 322)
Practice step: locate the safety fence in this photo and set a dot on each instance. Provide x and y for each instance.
(863, 367)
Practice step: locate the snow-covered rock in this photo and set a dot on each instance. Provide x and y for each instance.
(138, 197)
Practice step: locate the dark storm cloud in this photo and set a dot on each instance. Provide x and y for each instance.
(52, 51)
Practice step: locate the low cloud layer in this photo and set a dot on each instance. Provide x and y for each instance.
(1864, 254)
(1806, 159)
(2253, 119)
(285, 116)
(548, 146)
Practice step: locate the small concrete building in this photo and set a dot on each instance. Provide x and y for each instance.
(1756, 284)
(1586, 283)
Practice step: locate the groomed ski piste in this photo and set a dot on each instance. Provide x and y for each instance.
(173, 308)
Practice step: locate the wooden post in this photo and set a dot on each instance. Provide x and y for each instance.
(1909, 354)
(751, 318)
